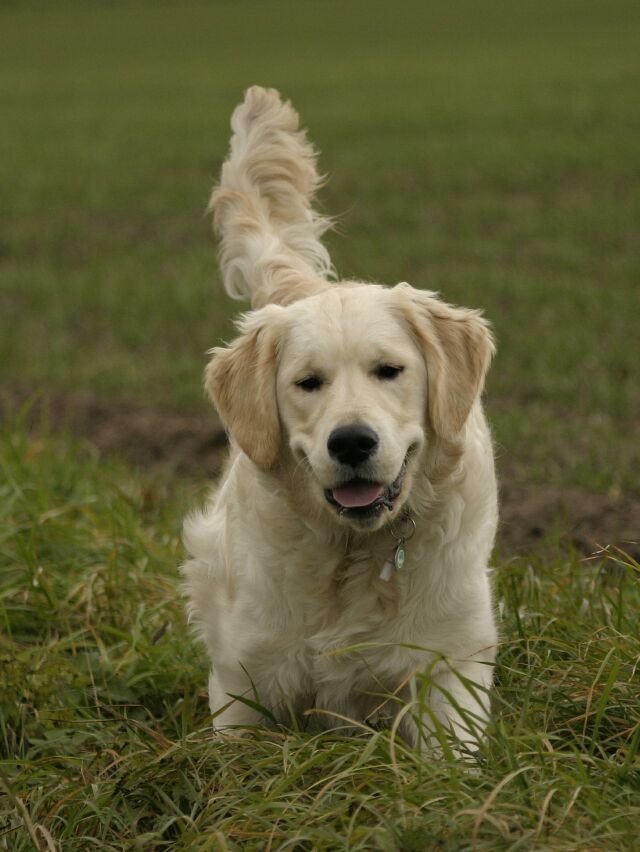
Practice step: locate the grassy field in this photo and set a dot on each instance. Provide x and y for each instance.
(104, 716)
(488, 151)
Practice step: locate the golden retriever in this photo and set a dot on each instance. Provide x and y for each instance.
(341, 566)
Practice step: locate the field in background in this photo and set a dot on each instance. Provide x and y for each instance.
(488, 151)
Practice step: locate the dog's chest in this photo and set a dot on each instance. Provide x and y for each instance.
(344, 634)
(341, 599)
(330, 618)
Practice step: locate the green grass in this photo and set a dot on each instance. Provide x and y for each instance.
(103, 716)
(488, 151)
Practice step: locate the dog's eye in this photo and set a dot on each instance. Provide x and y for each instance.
(388, 371)
(310, 383)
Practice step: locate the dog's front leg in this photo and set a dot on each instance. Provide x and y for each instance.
(229, 712)
(451, 709)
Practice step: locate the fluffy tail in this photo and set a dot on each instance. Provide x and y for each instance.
(270, 235)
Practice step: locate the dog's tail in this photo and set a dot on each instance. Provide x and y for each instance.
(270, 234)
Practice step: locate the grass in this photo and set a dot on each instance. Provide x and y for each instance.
(487, 151)
(103, 714)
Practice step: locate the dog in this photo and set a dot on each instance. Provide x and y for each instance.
(340, 571)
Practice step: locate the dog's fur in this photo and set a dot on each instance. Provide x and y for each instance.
(284, 583)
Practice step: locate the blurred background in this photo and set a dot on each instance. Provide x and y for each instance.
(489, 151)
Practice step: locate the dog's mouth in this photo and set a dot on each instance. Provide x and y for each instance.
(362, 499)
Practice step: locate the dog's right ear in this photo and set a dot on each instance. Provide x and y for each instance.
(241, 381)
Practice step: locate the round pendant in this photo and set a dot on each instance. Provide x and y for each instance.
(399, 558)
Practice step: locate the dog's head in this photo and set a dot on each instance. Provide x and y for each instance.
(348, 387)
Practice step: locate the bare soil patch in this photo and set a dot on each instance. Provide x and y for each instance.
(533, 514)
(194, 444)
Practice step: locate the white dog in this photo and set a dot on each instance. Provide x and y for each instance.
(341, 567)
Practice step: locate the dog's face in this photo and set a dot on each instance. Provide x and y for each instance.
(351, 391)
(348, 386)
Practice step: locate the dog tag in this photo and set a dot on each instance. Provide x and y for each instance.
(387, 570)
(397, 562)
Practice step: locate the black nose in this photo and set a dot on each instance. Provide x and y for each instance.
(352, 444)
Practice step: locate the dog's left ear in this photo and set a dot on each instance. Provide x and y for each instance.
(241, 381)
(457, 346)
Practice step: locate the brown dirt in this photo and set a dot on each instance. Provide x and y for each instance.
(532, 514)
(193, 443)
(190, 443)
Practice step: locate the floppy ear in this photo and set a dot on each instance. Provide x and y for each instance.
(241, 382)
(458, 347)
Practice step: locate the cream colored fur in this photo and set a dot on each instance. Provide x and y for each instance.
(284, 589)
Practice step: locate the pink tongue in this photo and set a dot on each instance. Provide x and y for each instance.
(360, 494)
